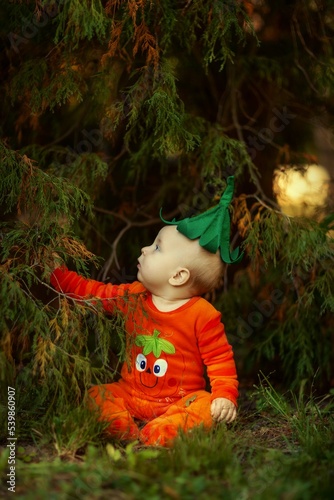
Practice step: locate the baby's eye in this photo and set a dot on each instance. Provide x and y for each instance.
(157, 247)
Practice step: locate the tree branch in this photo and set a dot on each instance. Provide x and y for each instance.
(128, 225)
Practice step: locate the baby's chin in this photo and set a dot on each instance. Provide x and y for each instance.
(140, 279)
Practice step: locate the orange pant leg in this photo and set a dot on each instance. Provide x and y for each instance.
(191, 411)
(110, 401)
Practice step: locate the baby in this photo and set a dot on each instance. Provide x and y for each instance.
(172, 333)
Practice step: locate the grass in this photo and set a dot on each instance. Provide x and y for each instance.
(281, 447)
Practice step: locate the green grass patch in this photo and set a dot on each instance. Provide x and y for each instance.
(281, 447)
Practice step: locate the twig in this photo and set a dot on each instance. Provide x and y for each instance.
(251, 166)
(267, 140)
(296, 60)
(301, 38)
(128, 225)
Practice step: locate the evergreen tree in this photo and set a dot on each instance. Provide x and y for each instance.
(111, 110)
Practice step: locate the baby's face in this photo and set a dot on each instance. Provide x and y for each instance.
(159, 261)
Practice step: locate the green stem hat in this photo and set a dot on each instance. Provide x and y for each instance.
(212, 227)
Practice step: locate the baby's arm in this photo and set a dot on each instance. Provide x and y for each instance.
(223, 410)
(217, 355)
(77, 287)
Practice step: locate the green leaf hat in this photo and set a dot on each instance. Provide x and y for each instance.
(212, 227)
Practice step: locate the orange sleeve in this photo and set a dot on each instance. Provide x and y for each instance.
(79, 288)
(217, 355)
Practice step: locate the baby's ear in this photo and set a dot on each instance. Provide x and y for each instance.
(180, 277)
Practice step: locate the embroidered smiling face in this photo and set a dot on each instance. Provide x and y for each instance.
(154, 357)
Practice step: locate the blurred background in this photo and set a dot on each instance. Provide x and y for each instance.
(112, 110)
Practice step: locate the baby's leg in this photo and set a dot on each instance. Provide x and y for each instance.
(191, 411)
(110, 401)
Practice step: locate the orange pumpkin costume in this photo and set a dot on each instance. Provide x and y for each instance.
(163, 385)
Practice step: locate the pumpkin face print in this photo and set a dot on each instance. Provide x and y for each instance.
(155, 360)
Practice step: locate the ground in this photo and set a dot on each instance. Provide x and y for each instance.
(275, 450)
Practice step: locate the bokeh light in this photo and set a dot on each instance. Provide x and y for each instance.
(301, 191)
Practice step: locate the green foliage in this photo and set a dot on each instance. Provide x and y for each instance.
(35, 192)
(217, 145)
(309, 417)
(284, 448)
(72, 431)
(158, 111)
(223, 24)
(44, 340)
(281, 309)
(45, 90)
(112, 110)
(80, 20)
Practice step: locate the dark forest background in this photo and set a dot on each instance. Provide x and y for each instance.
(114, 109)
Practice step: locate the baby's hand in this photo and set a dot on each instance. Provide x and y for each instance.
(51, 263)
(223, 410)
(56, 261)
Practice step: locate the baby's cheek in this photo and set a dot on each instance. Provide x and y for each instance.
(172, 382)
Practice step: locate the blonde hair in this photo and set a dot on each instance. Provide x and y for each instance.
(206, 272)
